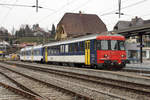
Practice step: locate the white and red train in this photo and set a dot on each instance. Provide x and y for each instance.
(100, 51)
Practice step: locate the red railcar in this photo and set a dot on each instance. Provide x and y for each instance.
(111, 51)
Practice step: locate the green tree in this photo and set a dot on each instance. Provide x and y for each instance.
(27, 29)
(53, 31)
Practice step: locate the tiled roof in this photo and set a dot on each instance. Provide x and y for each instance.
(79, 24)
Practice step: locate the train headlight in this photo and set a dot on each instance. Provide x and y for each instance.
(123, 56)
(105, 55)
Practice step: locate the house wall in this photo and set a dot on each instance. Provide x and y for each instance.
(60, 33)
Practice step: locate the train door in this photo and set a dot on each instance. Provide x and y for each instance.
(24, 57)
(46, 55)
(32, 54)
(87, 52)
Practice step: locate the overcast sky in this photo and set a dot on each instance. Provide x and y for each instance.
(54, 10)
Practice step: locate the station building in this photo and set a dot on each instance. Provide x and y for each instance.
(133, 42)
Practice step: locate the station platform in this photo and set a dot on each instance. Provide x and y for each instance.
(145, 65)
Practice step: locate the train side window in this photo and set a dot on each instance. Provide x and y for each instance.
(38, 52)
(29, 53)
(58, 49)
(75, 47)
(62, 48)
(70, 47)
(98, 46)
(95, 44)
(55, 49)
(48, 51)
(104, 44)
(81, 46)
(34, 52)
(52, 50)
(66, 48)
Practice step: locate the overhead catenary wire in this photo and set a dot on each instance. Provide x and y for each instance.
(5, 17)
(20, 5)
(56, 11)
(71, 10)
(33, 6)
(6, 7)
(131, 5)
(85, 3)
(116, 10)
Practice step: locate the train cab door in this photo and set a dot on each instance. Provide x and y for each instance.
(46, 54)
(87, 52)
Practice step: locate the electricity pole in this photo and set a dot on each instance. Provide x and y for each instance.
(34, 6)
(37, 6)
(119, 9)
(119, 4)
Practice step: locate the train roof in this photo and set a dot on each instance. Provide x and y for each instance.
(83, 38)
(38, 46)
(110, 37)
(32, 47)
(79, 39)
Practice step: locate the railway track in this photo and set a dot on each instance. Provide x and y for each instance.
(78, 91)
(134, 90)
(9, 91)
(39, 90)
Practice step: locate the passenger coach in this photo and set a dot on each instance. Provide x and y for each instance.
(33, 53)
(102, 51)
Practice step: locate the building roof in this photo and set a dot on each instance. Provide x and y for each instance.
(133, 23)
(122, 25)
(80, 24)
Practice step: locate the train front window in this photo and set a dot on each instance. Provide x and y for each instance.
(121, 45)
(104, 45)
(114, 45)
(117, 45)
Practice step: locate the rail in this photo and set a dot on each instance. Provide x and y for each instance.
(80, 95)
(134, 87)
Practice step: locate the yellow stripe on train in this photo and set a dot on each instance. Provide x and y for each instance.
(1, 52)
